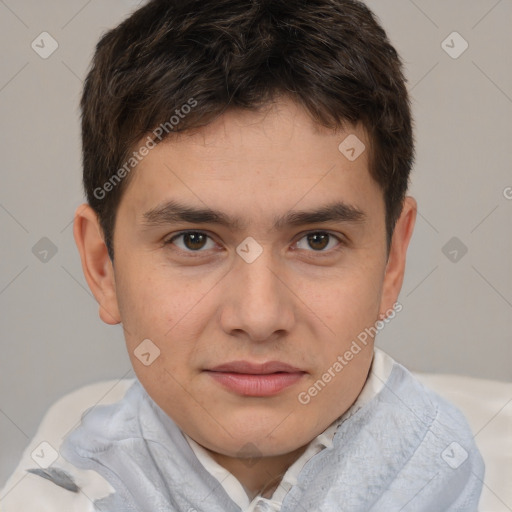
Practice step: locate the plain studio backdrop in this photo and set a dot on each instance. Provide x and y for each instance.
(457, 293)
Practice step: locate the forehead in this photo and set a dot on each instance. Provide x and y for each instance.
(257, 161)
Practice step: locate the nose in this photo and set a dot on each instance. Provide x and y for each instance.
(258, 304)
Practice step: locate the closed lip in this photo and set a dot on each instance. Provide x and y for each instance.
(249, 368)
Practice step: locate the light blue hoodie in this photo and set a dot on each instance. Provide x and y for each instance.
(405, 450)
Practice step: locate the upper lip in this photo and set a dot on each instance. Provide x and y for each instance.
(255, 368)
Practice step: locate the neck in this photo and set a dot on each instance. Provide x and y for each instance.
(260, 477)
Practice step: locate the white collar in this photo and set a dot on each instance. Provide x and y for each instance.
(379, 373)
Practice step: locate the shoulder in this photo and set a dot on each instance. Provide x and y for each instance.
(441, 453)
(44, 480)
(410, 405)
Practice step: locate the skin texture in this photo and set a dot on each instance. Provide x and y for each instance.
(202, 304)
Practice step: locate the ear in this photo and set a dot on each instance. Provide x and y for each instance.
(395, 268)
(96, 264)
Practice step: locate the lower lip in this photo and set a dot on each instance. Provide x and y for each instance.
(256, 385)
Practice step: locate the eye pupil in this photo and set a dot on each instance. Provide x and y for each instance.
(314, 238)
(194, 240)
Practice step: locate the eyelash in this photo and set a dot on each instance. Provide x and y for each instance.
(341, 242)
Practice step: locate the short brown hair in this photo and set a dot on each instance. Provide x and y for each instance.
(330, 56)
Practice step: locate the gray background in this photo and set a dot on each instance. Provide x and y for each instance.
(456, 315)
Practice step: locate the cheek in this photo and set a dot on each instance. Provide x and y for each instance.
(153, 307)
(348, 307)
(349, 302)
(148, 302)
(169, 310)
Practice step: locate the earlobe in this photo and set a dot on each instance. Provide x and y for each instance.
(395, 268)
(96, 264)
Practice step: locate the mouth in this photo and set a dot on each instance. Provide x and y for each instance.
(253, 379)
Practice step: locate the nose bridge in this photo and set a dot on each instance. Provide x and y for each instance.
(260, 280)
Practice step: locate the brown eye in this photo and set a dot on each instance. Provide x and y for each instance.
(318, 241)
(192, 241)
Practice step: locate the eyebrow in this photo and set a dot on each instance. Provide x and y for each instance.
(172, 212)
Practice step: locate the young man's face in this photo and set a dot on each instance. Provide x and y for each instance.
(257, 291)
